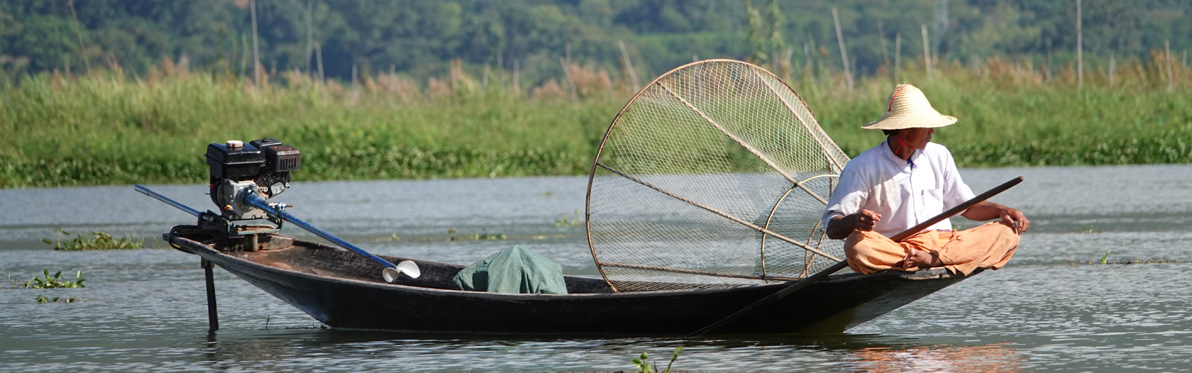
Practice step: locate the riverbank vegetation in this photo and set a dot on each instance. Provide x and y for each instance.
(104, 128)
(460, 88)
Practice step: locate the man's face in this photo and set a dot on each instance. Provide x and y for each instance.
(917, 138)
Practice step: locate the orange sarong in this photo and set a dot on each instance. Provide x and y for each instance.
(987, 246)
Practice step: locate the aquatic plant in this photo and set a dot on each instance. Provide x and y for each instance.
(13, 284)
(1105, 260)
(488, 236)
(483, 235)
(55, 281)
(644, 365)
(101, 241)
(45, 299)
(674, 356)
(574, 220)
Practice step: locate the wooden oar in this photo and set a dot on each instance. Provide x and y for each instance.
(793, 286)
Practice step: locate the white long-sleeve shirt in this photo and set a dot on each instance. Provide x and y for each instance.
(904, 192)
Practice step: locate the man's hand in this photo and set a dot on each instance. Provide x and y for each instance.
(841, 226)
(865, 220)
(1009, 216)
(1015, 219)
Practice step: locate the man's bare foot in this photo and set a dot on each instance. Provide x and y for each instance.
(921, 259)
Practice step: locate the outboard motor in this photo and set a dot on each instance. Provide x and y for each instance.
(243, 179)
(261, 166)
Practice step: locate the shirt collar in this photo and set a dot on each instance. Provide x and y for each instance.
(899, 161)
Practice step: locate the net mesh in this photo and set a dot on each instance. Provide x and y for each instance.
(714, 174)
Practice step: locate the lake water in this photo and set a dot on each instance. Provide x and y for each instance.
(1054, 307)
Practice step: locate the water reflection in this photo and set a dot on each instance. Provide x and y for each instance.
(296, 348)
(987, 358)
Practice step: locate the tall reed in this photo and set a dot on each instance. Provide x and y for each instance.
(105, 128)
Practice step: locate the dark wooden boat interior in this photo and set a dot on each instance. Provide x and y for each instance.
(344, 290)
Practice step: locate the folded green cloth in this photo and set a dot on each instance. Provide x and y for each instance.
(513, 270)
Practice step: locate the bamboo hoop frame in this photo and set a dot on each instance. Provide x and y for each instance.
(770, 218)
(722, 214)
(750, 148)
(597, 164)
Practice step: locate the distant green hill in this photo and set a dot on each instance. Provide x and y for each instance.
(419, 39)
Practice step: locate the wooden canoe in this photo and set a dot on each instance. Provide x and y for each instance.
(344, 290)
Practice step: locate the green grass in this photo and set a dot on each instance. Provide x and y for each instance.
(107, 129)
(1032, 125)
(104, 130)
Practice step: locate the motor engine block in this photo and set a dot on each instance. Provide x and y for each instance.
(262, 166)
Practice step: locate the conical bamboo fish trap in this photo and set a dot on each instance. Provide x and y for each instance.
(714, 174)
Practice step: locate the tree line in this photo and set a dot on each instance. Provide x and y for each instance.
(537, 39)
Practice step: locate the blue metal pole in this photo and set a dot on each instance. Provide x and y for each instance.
(144, 190)
(256, 201)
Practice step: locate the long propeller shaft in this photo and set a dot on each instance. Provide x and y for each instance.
(389, 273)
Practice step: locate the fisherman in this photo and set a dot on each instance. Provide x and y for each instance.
(904, 181)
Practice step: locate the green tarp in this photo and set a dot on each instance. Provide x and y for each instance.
(513, 270)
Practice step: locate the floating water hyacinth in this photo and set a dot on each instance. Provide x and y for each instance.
(100, 241)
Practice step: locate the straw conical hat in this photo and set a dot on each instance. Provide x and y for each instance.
(909, 108)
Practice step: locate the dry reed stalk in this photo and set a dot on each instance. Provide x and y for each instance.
(548, 90)
(333, 88)
(807, 58)
(628, 66)
(516, 77)
(848, 74)
(1167, 54)
(897, 55)
(1079, 50)
(262, 76)
(588, 81)
(310, 34)
(79, 33)
(881, 37)
(437, 89)
(256, 54)
(570, 81)
(295, 78)
(1112, 69)
(402, 89)
(785, 66)
(926, 51)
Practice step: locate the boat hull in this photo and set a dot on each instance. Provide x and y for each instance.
(344, 290)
